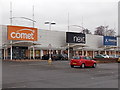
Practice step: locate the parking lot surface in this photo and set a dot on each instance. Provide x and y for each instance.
(40, 74)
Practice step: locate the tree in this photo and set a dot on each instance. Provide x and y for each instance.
(110, 32)
(100, 30)
(86, 31)
(104, 31)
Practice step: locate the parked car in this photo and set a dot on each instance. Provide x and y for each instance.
(114, 56)
(59, 57)
(82, 61)
(45, 57)
(119, 60)
(64, 57)
(106, 56)
(55, 57)
(101, 56)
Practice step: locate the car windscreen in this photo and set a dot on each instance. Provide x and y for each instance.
(76, 57)
(104, 55)
(87, 58)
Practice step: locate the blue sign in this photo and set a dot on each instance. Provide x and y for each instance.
(110, 40)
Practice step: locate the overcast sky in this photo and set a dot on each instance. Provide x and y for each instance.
(91, 13)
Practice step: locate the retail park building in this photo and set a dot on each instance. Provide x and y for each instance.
(32, 43)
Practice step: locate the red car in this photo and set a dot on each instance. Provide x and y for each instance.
(82, 61)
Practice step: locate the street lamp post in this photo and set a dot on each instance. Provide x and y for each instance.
(50, 23)
(79, 26)
(11, 18)
(50, 46)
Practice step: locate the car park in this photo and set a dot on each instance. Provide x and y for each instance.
(82, 61)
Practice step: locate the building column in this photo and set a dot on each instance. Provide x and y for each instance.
(82, 52)
(11, 52)
(57, 52)
(41, 53)
(30, 53)
(73, 52)
(4, 54)
(105, 52)
(86, 53)
(1, 54)
(115, 53)
(68, 51)
(61, 51)
(33, 52)
(76, 52)
(109, 52)
(98, 51)
(50, 53)
(93, 54)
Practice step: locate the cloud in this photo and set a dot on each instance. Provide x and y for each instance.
(94, 12)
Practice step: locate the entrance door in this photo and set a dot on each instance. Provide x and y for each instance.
(19, 52)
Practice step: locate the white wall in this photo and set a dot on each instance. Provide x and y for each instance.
(55, 38)
(94, 41)
(4, 34)
(58, 39)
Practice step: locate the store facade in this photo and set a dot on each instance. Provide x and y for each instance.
(31, 43)
(16, 40)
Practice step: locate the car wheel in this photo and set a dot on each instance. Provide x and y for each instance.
(83, 65)
(72, 66)
(94, 65)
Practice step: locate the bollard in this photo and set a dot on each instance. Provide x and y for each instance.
(49, 61)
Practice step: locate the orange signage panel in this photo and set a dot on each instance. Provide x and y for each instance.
(22, 33)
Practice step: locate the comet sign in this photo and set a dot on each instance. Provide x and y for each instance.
(22, 33)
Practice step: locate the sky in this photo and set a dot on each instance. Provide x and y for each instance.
(87, 13)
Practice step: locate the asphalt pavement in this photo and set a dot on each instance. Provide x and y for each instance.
(59, 74)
